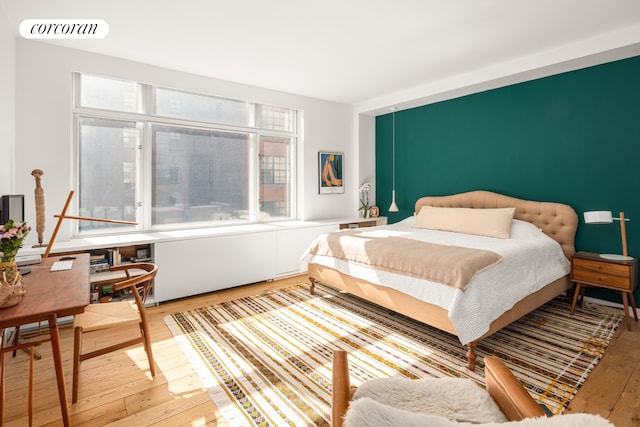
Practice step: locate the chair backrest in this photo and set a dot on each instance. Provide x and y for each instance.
(141, 284)
(506, 390)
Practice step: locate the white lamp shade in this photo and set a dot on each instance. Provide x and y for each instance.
(605, 217)
(598, 217)
(393, 207)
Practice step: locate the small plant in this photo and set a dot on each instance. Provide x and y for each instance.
(364, 198)
(11, 237)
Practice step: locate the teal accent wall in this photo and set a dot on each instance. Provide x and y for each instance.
(572, 138)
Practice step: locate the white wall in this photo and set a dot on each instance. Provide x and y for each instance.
(7, 105)
(44, 126)
(367, 152)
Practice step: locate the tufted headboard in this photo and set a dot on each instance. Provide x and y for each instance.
(556, 220)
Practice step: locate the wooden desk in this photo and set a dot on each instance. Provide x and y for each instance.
(51, 295)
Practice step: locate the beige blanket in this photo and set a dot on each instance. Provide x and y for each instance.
(450, 265)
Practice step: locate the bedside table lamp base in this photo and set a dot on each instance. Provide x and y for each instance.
(616, 257)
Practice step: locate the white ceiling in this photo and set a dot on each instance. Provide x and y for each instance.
(362, 52)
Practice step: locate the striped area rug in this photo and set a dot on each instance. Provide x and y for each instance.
(266, 360)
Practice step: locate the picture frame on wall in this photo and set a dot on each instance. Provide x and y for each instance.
(330, 172)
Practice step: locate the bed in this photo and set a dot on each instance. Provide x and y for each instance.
(473, 311)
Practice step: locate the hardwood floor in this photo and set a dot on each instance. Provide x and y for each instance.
(117, 389)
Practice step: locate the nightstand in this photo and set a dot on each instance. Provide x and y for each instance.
(590, 269)
(362, 222)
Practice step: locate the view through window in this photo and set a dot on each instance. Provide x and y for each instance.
(192, 160)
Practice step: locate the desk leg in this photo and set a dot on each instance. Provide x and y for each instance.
(2, 385)
(57, 361)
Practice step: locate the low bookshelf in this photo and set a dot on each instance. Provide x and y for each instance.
(101, 279)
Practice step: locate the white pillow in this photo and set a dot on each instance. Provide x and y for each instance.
(481, 222)
(525, 230)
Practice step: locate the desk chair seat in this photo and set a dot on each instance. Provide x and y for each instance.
(101, 316)
(97, 317)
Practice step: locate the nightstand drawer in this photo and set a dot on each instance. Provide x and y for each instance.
(600, 278)
(601, 267)
(601, 273)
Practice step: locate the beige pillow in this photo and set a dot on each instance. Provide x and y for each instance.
(482, 222)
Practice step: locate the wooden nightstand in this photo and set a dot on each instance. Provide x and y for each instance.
(589, 269)
(362, 222)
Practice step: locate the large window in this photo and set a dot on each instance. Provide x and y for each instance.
(193, 160)
(107, 158)
(275, 176)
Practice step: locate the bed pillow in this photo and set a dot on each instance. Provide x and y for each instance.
(481, 222)
(525, 230)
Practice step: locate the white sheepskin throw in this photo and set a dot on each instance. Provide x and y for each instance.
(366, 412)
(453, 398)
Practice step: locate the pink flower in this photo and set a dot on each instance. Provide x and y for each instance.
(11, 237)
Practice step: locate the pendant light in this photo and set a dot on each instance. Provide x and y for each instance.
(393, 207)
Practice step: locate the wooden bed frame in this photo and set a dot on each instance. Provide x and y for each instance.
(506, 390)
(557, 220)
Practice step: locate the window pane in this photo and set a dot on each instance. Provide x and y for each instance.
(276, 118)
(211, 160)
(110, 94)
(199, 175)
(203, 108)
(107, 172)
(275, 177)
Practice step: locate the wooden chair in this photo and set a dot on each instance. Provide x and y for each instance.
(119, 314)
(510, 396)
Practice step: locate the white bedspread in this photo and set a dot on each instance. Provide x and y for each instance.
(531, 261)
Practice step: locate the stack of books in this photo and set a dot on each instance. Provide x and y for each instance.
(98, 262)
(114, 257)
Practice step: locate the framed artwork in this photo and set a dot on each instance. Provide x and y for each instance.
(374, 212)
(330, 172)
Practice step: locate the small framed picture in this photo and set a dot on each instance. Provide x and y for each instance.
(330, 172)
(374, 212)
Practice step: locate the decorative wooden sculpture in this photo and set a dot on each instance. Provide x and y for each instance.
(64, 215)
(39, 195)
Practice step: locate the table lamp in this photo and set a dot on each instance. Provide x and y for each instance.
(605, 217)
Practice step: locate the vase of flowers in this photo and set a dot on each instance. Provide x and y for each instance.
(364, 199)
(11, 237)
(12, 287)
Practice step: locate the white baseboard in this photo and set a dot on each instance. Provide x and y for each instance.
(607, 303)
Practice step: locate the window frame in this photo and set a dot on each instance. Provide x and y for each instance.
(146, 119)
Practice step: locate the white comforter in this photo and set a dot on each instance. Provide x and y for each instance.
(531, 260)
